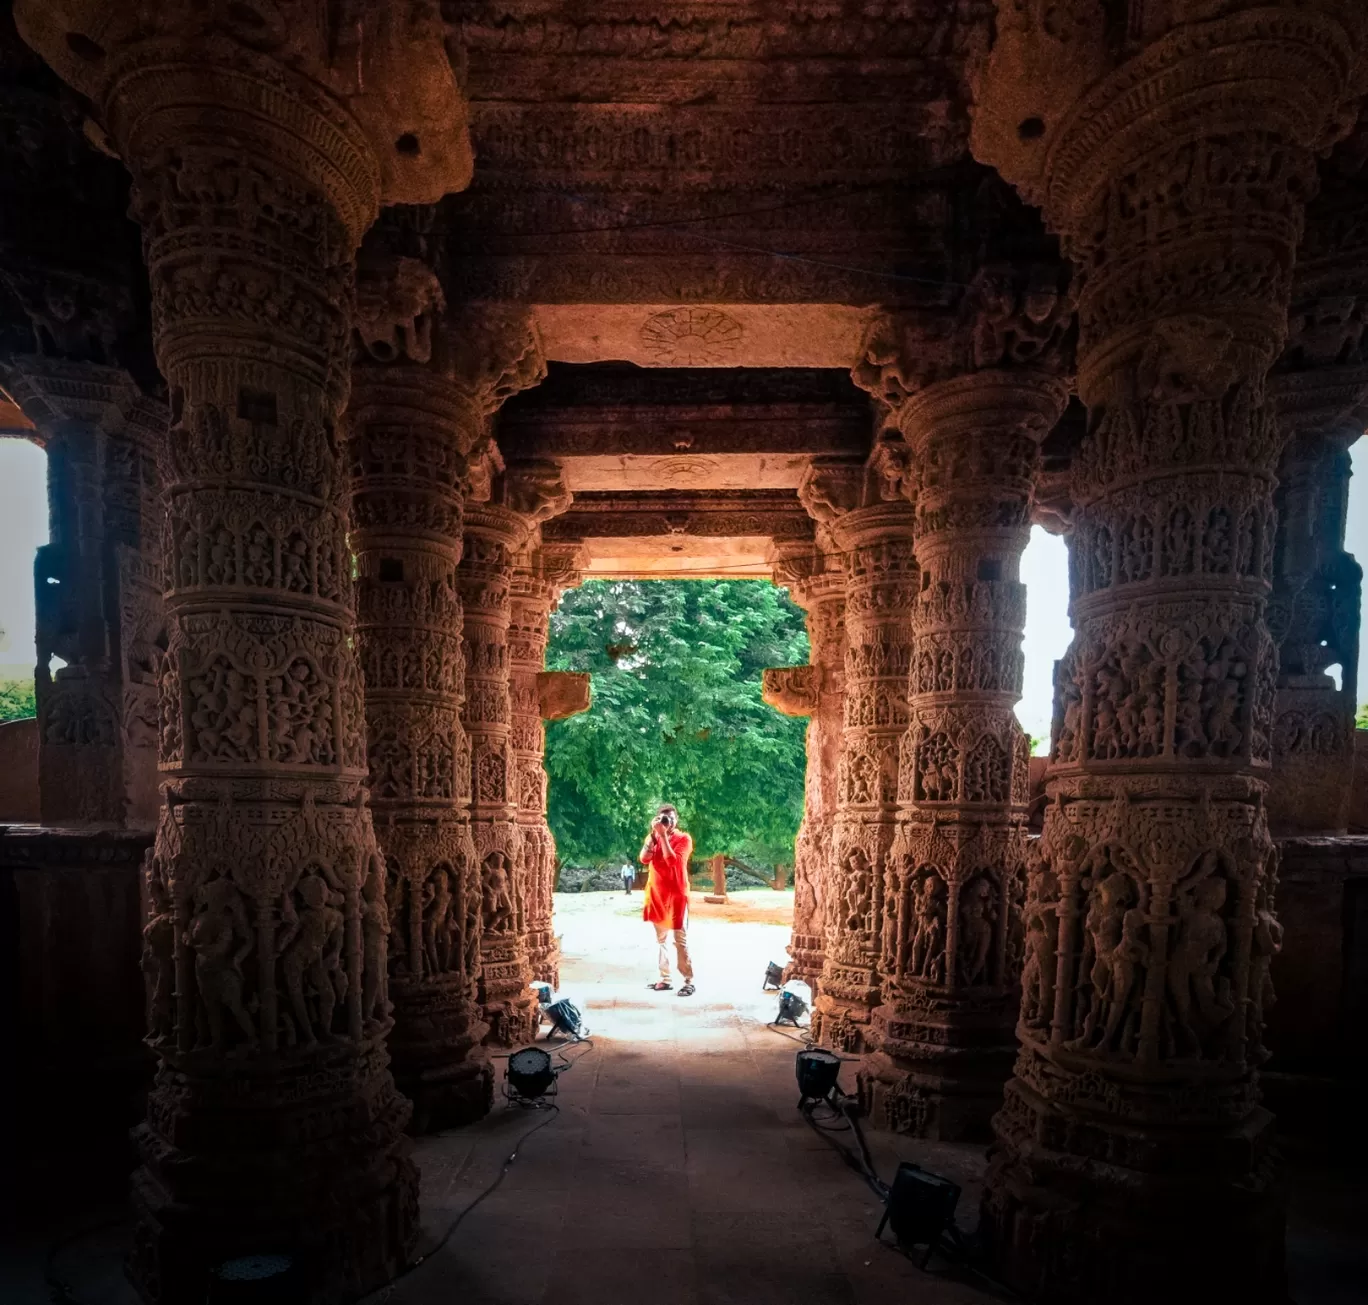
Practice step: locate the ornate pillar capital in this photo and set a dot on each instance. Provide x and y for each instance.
(1164, 136)
(376, 110)
(1013, 317)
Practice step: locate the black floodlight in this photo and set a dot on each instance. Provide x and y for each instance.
(260, 1279)
(817, 1070)
(565, 1018)
(774, 976)
(920, 1207)
(543, 991)
(791, 1006)
(529, 1075)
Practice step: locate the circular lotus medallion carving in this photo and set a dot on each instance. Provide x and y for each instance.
(691, 337)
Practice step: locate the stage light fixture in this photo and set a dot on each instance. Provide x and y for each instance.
(565, 1018)
(529, 1075)
(817, 1070)
(259, 1279)
(920, 1208)
(774, 976)
(791, 1006)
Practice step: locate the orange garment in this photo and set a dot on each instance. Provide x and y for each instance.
(667, 885)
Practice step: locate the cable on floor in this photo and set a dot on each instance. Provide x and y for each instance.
(552, 1112)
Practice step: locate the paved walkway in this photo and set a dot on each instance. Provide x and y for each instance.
(678, 1171)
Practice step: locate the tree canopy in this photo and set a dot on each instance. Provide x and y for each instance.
(677, 717)
(16, 700)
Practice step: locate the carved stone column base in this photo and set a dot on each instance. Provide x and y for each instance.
(840, 1016)
(1101, 1199)
(807, 951)
(438, 1061)
(277, 1155)
(544, 955)
(938, 1074)
(507, 1002)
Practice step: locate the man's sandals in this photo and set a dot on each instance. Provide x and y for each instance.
(686, 991)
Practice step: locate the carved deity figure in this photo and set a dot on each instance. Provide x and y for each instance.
(375, 928)
(158, 958)
(499, 915)
(1042, 935)
(857, 890)
(221, 939)
(1115, 952)
(1265, 944)
(472, 922)
(311, 952)
(1199, 994)
(437, 920)
(928, 938)
(977, 915)
(892, 921)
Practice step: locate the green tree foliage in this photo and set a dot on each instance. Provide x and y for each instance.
(677, 717)
(16, 700)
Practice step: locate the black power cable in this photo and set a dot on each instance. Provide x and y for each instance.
(961, 1250)
(553, 1112)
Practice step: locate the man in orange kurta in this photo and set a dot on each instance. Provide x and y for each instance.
(666, 855)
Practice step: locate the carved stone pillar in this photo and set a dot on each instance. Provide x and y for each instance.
(1321, 389)
(1132, 1158)
(412, 424)
(874, 540)
(972, 400)
(816, 583)
(98, 591)
(258, 160)
(496, 532)
(539, 579)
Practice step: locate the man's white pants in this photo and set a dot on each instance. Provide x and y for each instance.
(681, 943)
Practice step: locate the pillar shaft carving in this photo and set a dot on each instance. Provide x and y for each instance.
(1320, 386)
(951, 942)
(874, 540)
(816, 583)
(258, 159)
(543, 573)
(493, 537)
(98, 591)
(497, 532)
(1132, 1156)
(410, 430)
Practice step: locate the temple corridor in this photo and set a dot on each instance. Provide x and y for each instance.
(677, 1168)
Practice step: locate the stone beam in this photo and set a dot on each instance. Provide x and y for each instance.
(715, 514)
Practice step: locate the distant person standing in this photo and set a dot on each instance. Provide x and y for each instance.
(666, 853)
(628, 878)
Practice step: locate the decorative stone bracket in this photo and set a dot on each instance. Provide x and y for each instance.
(562, 694)
(792, 690)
